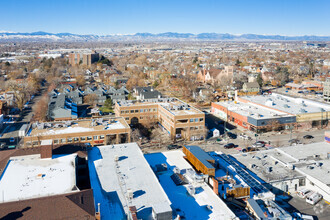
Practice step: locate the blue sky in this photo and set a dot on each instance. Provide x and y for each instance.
(284, 17)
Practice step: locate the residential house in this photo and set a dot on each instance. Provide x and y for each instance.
(142, 93)
(61, 108)
(252, 87)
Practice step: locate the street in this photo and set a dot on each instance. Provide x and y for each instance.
(10, 129)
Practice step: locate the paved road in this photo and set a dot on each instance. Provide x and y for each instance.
(10, 130)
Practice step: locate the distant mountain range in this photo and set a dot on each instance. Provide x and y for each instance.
(168, 36)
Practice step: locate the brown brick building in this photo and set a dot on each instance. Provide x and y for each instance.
(179, 119)
(101, 131)
(84, 59)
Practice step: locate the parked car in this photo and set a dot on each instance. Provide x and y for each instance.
(258, 144)
(229, 145)
(231, 135)
(2, 146)
(313, 198)
(308, 136)
(302, 193)
(294, 141)
(173, 146)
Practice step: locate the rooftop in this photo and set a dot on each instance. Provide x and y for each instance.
(288, 104)
(77, 126)
(131, 173)
(252, 110)
(28, 177)
(263, 164)
(201, 155)
(311, 159)
(173, 105)
(192, 207)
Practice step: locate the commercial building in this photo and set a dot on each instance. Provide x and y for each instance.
(190, 195)
(289, 169)
(85, 59)
(252, 117)
(100, 131)
(308, 113)
(34, 188)
(326, 90)
(124, 184)
(179, 119)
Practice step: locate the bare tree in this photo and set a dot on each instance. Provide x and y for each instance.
(91, 99)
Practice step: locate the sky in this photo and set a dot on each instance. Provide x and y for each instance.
(102, 17)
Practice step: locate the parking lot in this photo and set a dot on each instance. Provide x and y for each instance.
(321, 210)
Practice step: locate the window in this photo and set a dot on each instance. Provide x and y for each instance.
(136, 111)
(126, 111)
(196, 119)
(63, 140)
(101, 137)
(56, 141)
(191, 120)
(122, 112)
(154, 109)
(35, 143)
(69, 140)
(28, 143)
(82, 138)
(132, 111)
(141, 110)
(75, 139)
(95, 137)
(201, 119)
(141, 117)
(89, 138)
(127, 118)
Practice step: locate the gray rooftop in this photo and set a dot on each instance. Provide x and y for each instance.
(131, 172)
(201, 155)
(288, 104)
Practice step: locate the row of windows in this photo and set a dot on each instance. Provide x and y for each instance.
(148, 117)
(72, 139)
(196, 119)
(137, 111)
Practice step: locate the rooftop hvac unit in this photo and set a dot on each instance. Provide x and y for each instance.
(130, 194)
(290, 166)
(176, 170)
(191, 189)
(319, 164)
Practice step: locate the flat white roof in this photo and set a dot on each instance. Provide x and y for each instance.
(252, 110)
(131, 172)
(307, 157)
(194, 207)
(288, 104)
(28, 177)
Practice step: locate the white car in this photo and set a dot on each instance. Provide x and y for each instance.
(313, 198)
(302, 193)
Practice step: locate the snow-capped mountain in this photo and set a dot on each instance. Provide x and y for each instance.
(168, 36)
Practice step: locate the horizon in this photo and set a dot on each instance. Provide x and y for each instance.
(132, 34)
(101, 17)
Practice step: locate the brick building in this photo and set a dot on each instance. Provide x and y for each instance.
(179, 119)
(100, 131)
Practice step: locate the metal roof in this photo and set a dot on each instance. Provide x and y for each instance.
(201, 155)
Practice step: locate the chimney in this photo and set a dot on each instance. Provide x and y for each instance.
(46, 149)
